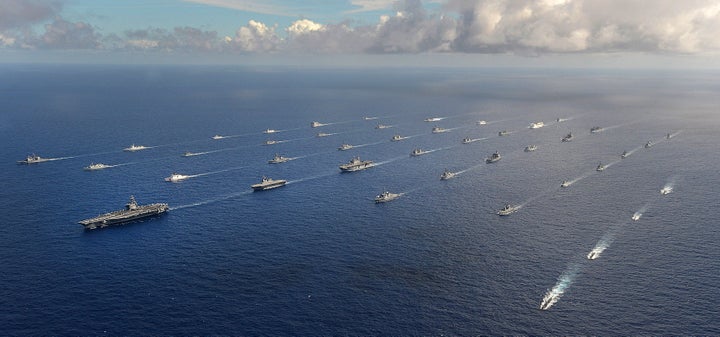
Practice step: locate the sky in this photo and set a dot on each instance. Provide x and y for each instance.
(605, 32)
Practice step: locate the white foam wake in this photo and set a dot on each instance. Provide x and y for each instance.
(600, 246)
(553, 295)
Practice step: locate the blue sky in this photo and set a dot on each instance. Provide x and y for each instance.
(522, 30)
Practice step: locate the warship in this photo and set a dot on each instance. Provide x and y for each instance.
(507, 210)
(493, 158)
(278, 159)
(33, 159)
(134, 148)
(268, 183)
(386, 196)
(447, 175)
(95, 167)
(356, 164)
(132, 212)
(418, 152)
(177, 177)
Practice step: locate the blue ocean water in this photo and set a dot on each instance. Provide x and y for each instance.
(318, 256)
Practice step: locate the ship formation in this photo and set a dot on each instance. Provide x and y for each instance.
(133, 211)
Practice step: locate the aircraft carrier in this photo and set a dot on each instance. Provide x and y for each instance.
(132, 212)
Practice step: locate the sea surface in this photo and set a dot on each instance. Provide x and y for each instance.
(318, 256)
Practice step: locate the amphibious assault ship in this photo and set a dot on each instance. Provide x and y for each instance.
(132, 212)
(356, 164)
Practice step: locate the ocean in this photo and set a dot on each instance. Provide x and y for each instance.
(318, 256)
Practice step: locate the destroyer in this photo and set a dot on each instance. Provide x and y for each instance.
(386, 196)
(568, 137)
(134, 148)
(356, 164)
(176, 177)
(507, 210)
(439, 130)
(345, 147)
(95, 167)
(447, 175)
(493, 158)
(33, 159)
(418, 152)
(278, 159)
(132, 212)
(268, 184)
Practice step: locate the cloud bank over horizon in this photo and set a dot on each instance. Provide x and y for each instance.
(520, 27)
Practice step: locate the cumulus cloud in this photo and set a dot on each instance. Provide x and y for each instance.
(19, 13)
(585, 25)
(185, 39)
(61, 34)
(525, 27)
(255, 37)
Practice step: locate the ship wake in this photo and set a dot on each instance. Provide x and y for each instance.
(210, 201)
(553, 295)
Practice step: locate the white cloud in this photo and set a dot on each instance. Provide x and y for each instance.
(370, 5)
(255, 6)
(256, 37)
(303, 26)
